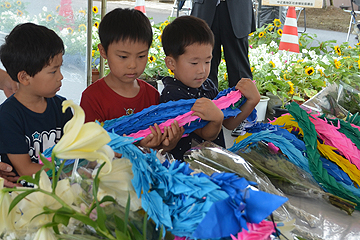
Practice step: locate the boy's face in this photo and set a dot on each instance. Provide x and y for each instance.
(47, 82)
(127, 59)
(193, 67)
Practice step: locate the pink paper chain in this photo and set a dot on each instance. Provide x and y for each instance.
(222, 103)
(331, 136)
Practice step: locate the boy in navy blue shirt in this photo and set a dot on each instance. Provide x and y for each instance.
(188, 44)
(31, 120)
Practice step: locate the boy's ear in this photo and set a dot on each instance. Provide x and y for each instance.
(102, 51)
(23, 78)
(170, 62)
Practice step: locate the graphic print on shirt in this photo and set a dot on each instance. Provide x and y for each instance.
(129, 111)
(42, 141)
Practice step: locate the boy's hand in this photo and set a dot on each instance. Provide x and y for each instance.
(248, 89)
(8, 175)
(154, 139)
(174, 134)
(207, 110)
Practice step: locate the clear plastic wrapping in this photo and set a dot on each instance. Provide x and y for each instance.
(308, 203)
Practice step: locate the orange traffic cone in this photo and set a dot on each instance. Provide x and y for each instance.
(140, 5)
(290, 39)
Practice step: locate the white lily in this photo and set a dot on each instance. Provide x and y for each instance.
(117, 183)
(45, 233)
(82, 140)
(35, 202)
(6, 219)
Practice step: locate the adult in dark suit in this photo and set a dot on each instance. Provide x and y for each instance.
(231, 22)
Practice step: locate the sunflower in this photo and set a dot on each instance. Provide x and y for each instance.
(166, 22)
(280, 32)
(285, 77)
(321, 72)
(358, 43)
(291, 92)
(83, 12)
(300, 60)
(225, 76)
(92, 52)
(82, 27)
(337, 50)
(70, 30)
(170, 72)
(7, 5)
(96, 24)
(252, 33)
(252, 69)
(49, 18)
(159, 37)
(309, 71)
(261, 34)
(337, 64)
(57, 8)
(358, 63)
(272, 64)
(270, 28)
(19, 13)
(18, 3)
(95, 9)
(277, 22)
(151, 59)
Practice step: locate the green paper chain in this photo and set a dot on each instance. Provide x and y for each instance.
(315, 164)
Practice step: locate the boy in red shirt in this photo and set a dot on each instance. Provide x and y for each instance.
(126, 36)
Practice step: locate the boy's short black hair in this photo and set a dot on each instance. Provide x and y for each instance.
(185, 31)
(125, 24)
(30, 48)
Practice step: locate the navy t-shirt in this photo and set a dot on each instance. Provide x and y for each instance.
(175, 90)
(24, 131)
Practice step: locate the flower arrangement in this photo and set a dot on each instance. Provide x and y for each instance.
(61, 207)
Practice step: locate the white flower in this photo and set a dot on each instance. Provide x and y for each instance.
(44, 8)
(34, 203)
(118, 184)
(82, 140)
(45, 233)
(6, 220)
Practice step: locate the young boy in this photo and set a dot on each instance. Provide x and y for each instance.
(188, 44)
(125, 36)
(31, 120)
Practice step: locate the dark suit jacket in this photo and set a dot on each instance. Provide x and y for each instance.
(241, 14)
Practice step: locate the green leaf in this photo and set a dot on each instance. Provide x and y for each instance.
(28, 179)
(127, 210)
(120, 235)
(60, 218)
(119, 223)
(135, 232)
(85, 219)
(107, 199)
(47, 163)
(144, 225)
(101, 218)
(19, 197)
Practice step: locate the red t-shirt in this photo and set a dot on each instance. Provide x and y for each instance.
(101, 103)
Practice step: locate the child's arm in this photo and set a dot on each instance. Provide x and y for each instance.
(207, 110)
(173, 135)
(23, 165)
(248, 89)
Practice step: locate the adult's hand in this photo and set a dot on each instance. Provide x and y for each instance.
(9, 177)
(8, 85)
